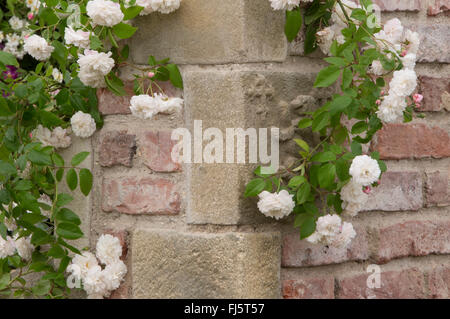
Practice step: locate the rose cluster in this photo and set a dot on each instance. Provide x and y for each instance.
(103, 272)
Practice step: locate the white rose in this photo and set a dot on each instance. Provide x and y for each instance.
(276, 205)
(57, 75)
(95, 284)
(94, 66)
(393, 30)
(354, 198)
(104, 12)
(24, 247)
(345, 236)
(145, 106)
(78, 38)
(325, 39)
(38, 48)
(81, 264)
(391, 108)
(409, 61)
(413, 40)
(114, 274)
(16, 23)
(108, 249)
(58, 138)
(284, 4)
(83, 125)
(365, 170)
(403, 83)
(7, 247)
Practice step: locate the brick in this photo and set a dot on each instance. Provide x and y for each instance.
(438, 188)
(434, 41)
(300, 253)
(399, 5)
(438, 6)
(212, 32)
(133, 195)
(399, 141)
(398, 191)
(439, 283)
(176, 264)
(434, 91)
(413, 238)
(156, 149)
(109, 103)
(309, 288)
(117, 148)
(403, 284)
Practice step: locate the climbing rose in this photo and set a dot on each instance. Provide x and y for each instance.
(276, 205)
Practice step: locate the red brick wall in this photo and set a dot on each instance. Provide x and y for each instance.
(406, 228)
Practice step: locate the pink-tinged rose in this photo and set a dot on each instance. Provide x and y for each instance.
(418, 98)
(30, 16)
(367, 189)
(150, 74)
(378, 102)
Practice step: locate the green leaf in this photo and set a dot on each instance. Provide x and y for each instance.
(63, 199)
(94, 42)
(60, 54)
(39, 158)
(6, 168)
(337, 61)
(175, 75)
(302, 144)
(342, 168)
(58, 160)
(85, 181)
(323, 157)
(321, 121)
(4, 279)
(304, 123)
(8, 59)
(308, 227)
(49, 16)
(360, 127)
(326, 175)
(123, 30)
(340, 103)
(23, 185)
(49, 119)
(69, 231)
(296, 181)
(66, 215)
(303, 193)
(254, 187)
(327, 76)
(79, 158)
(382, 165)
(56, 251)
(59, 174)
(293, 24)
(356, 148)
(4, 108)
(42, 288)
(131, 12)
(72, 179)
(347, 77)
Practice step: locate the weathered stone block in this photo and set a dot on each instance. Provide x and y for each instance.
(211, 32)
(81, 205)
(240, 98)
(174, 264)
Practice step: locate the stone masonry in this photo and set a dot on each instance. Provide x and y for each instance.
(187, 230)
